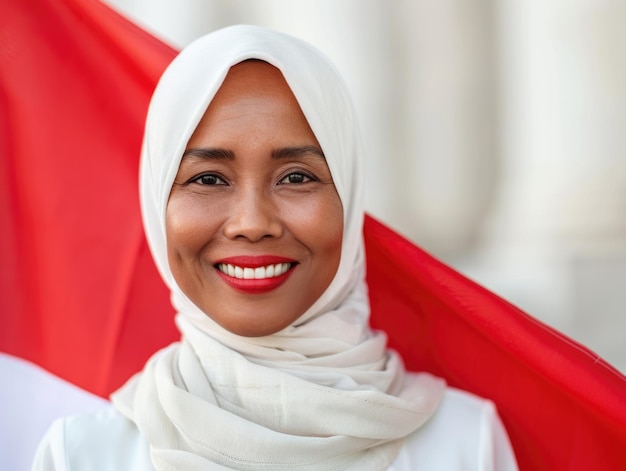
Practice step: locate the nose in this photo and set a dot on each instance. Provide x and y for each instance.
(253, 216)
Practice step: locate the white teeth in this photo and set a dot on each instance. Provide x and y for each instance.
(280, 268)
(259, 273)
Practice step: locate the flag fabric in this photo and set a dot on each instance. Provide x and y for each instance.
(75, 81)
(81, 298)
(564, 407)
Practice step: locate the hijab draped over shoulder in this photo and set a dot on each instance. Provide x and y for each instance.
(323, 393)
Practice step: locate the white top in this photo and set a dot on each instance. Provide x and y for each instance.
(30, 399)
(464, 434)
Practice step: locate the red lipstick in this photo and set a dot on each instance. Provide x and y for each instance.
(255, 274)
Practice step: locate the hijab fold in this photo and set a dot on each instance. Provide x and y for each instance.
(323, 393)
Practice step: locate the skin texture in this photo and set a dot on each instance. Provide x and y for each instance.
(253, 182)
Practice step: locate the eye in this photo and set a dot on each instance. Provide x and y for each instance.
(208, 179)
(295, 178)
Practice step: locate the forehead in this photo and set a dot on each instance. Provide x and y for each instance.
(253, 77)
(255, 98)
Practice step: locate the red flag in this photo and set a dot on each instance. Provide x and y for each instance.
(79, 294)
(562, 405)
(77, 277)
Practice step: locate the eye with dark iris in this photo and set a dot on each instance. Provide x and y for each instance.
(295, 178)
(208, 179)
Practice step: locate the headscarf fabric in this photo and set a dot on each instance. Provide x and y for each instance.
(324, 393)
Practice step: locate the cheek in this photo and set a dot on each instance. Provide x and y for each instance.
(318, 223)
(187, 224)
(331, 230)
(327, 236)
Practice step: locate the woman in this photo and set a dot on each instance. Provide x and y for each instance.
(251, 194)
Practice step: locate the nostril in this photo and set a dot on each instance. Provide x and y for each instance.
(253, 224)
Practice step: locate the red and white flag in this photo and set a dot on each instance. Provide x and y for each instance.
(82, 306)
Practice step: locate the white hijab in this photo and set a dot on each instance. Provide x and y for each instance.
(322, 394)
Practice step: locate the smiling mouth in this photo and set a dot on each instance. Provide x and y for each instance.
(256, 273)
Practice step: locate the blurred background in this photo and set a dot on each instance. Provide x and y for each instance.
(495, 135)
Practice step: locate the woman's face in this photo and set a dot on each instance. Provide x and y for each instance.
(254, 223)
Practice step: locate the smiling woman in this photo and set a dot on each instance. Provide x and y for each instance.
(254, 223)
(251, 196)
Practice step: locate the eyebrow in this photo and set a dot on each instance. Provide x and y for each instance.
(216, 153)
(296, 151)
(210, 153)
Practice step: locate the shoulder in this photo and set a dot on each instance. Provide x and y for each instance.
(103, 440)
(33, 398)
(465, 433)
